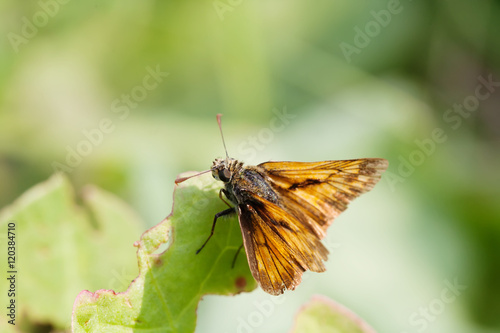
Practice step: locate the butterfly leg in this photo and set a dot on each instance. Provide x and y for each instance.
(236, 255)
(219, 214)
(225, 193)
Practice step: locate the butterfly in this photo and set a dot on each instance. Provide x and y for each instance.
(285, 208)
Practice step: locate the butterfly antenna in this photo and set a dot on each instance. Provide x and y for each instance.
(222, 135)
(180, 180)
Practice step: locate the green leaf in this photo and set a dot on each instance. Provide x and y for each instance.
(62, 248)
(322, 315)
(165, 295)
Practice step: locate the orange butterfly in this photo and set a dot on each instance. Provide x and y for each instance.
(285, 208)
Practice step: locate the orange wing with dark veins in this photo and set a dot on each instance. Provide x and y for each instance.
(279, 248)
(316, 193)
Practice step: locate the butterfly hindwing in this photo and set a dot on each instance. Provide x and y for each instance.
(318, 192)
(279, 247)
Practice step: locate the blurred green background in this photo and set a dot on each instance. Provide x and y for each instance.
(123, 94)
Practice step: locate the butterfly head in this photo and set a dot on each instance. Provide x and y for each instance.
(223, 169)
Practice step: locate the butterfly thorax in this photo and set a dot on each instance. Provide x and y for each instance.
(242, 182)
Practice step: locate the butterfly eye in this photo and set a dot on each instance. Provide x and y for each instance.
(224, 175)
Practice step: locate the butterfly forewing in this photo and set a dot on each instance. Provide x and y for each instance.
(316, 193)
